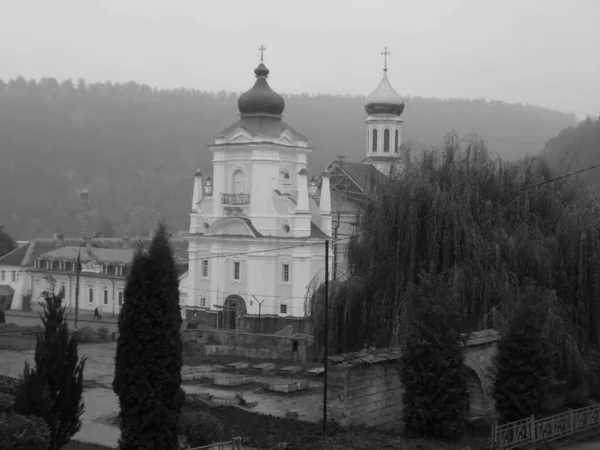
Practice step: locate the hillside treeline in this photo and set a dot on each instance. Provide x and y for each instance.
(135, 148)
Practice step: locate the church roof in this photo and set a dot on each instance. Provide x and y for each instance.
(258, 126)
(364, 175)
(261, 99)
(384, 99)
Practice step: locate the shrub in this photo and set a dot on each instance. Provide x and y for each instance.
(198, 428)
(103, 333)
(8, 385)
(6, 403)
(149, 349)
(32, 397)
(24, 432)
(87, 334)
(432, 369)
(523, 363)
(53, 389)
(76, 335)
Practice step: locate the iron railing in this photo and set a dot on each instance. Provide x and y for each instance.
(528, 431)
(235, 199)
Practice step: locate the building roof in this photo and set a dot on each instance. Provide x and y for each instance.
(384, 99)
(26, 254)
(113, 255)
(261, 99)
(339, 203)
(262, 126)
(15, 257)
(363, 175)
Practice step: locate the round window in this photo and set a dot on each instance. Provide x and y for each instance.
(286, 228)
(206, 225)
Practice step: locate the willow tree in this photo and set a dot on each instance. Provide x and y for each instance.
(491, 227)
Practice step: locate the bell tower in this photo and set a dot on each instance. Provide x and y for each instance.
(384, 106)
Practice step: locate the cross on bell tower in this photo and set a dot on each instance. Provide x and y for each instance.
(262, 53)
(385, 55)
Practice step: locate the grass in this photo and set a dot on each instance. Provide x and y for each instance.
(269, 432)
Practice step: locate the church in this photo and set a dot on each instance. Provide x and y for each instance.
(259, 224)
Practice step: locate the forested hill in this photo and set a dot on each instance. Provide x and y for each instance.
(576, 148)
(135, 148)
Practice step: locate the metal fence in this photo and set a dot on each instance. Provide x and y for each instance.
(532, 431)
(234, 444)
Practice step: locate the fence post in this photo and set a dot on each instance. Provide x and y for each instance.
(494, 432)
(237, 443)
(532, 429)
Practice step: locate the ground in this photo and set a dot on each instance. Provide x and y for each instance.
(261, 424)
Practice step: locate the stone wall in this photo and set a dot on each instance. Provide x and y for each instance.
(364, 389)
(248, 345)
(249, 324)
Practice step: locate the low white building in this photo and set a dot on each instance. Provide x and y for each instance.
(256, 237)
(51, 265)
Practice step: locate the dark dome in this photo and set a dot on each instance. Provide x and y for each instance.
(261, 99)
(384, 99)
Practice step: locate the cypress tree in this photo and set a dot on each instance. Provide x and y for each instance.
(53, 390)
(148, 359)
(523, 363)
(432, 370)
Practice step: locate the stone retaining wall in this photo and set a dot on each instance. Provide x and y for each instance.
(366, 393)
(247, 345)
(364, 387)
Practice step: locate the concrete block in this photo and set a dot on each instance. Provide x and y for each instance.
(233, 381)
(263, 368)
(198, 375)
(287, 387)
(187, 377)
(227, 401)
(237, 365)
(290, 370)
(317, 372)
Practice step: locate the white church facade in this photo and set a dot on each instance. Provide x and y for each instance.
(258, 225)
(256, 238)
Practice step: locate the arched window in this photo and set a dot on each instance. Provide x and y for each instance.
(239, 182)
(396, 142)
(374, 141)
(386, 140)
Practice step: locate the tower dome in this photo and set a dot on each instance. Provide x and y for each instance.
(261, 99)
(384, 99)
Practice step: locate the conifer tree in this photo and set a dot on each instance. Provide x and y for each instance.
(53, 390)
(148, 360)
(432, 370)
(523, 363)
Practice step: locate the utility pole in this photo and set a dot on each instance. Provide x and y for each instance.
(260, 302)
(85, 241)
(76, 320)
(326, 337)
(335, 247)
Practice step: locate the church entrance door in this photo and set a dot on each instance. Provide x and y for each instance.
(234, 308)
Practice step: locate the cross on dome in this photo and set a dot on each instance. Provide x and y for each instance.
(262, 49)
(385, 55)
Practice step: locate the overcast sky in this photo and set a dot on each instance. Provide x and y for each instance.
(543, 52)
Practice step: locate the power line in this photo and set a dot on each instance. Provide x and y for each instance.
(309, 244)
(525, 189)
